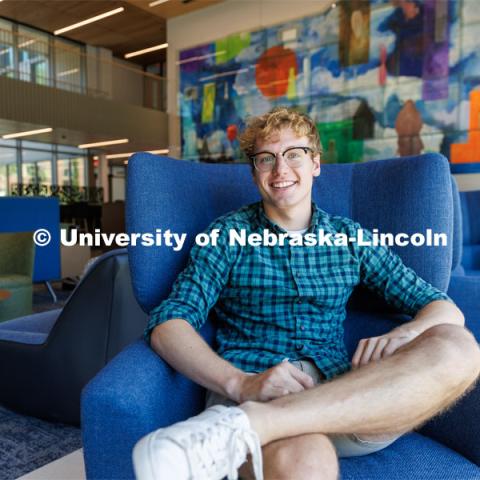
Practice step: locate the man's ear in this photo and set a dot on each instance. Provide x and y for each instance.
(316, 165)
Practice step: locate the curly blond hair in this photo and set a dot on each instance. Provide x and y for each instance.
(265, 126)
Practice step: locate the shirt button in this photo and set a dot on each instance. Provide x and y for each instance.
(299, 346)
(299, 300)
(302, 328)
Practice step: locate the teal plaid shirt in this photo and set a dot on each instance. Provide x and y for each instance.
(286, 301)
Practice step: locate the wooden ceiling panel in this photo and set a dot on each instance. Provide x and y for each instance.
(138, 27)
(131, 30)
(173, 8)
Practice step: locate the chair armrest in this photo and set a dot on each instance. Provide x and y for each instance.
(459, 427)
(464, 290)
(137, 392)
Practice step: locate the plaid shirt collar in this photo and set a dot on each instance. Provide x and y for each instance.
(263, 222)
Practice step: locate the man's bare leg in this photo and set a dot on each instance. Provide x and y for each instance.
(304, 457)
(393, 395)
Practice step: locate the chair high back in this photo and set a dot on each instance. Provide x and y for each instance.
(470, 206)
(457, 241)
(400, 195)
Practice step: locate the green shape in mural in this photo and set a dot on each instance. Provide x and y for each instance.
(228, 48)
(208, 105)
(338, 143)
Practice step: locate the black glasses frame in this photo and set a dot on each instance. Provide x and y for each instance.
(274, 155)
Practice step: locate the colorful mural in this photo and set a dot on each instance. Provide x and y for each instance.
(380, 78)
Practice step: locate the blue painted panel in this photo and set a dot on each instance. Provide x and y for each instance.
(24, 214)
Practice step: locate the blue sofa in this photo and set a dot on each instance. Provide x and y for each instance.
(470, 208)
(138, 392)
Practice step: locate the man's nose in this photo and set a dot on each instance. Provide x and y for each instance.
(280, 164)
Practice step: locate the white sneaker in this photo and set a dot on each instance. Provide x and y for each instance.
(210, 446)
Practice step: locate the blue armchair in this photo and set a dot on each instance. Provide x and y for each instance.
(470, 209)
(138, 392)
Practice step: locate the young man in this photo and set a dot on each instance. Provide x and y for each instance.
(281, 356)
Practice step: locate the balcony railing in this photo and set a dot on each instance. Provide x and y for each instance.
(45, 60)
(66, 194)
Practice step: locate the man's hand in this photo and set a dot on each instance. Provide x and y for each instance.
(275, 382)
(375, 348)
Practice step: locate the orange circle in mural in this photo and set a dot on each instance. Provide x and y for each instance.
(273, 70)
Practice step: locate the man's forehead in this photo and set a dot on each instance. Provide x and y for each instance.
(284, 136)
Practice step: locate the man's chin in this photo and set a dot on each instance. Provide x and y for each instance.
(282, 204)
(283, 196)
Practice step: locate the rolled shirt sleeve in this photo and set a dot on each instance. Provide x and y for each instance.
(197, 287)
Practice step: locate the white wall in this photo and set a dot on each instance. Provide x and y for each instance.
(468, 182)
(218, 21)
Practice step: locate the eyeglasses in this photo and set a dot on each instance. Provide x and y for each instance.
(293, 156)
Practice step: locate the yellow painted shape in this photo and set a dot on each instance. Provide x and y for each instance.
(208, 105)
(292, 84)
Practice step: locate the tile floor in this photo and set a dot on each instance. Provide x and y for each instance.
(69, 467)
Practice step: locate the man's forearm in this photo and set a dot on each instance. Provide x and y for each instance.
(435, 313)
(177, 342)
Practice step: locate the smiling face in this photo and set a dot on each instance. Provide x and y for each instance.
(286, 191)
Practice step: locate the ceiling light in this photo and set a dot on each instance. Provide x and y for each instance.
(89, 20)
(156, 2)
(146, 50)
(67, 72)
(25, 44)
(25, 134)
(103, 144)
(124, 155)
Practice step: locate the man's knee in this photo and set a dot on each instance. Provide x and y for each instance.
(457, 349)
(302, 457)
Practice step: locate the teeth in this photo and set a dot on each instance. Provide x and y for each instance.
(282, 184)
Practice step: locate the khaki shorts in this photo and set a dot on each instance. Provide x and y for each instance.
(346, 445)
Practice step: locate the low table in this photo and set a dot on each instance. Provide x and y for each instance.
(4, 294)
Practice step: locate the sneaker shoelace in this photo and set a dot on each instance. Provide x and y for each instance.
(202, 458)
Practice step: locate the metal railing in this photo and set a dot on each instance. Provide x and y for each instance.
(66, 194)
(45, 60)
